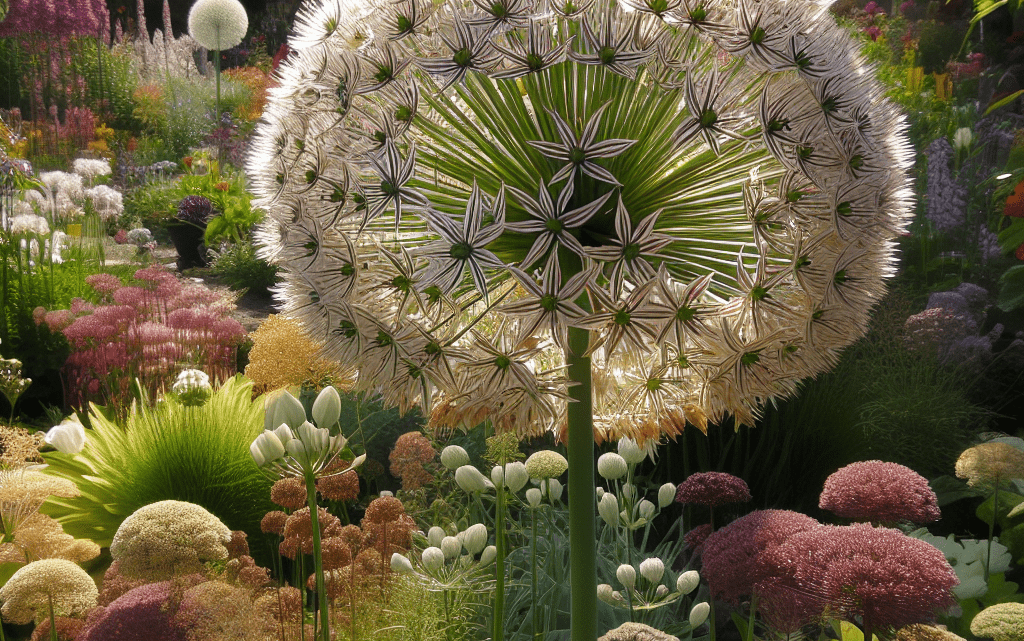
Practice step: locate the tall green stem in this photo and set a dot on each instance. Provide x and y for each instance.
(53, 620)
(991, 531)
(318, 559)
(533, 575)
(499, 562)
(582, 508)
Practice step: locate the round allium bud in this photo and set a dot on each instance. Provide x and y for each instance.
(666, 494)
(608, 508)
(628, 491)
(516, 476)
(471, 479)
(713, 489)
(451, 547)
(400, 564)
(476, 538)
(433, 559)
(217, 24)
(435, 535)
(626, 575)
(192, 388)
(646, 509)
(453, 457)
(605, 592)
(533, 497)
(699, 614)
(630, 451)
(611, 466)
(195, 209)
(552, 489)
(688, 581)
(879, 492)
(1000, 622)
(661, 591)
(488, 555)
(652, 569)
(546, 464)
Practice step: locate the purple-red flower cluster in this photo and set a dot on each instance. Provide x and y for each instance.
(712, 489)
(881, 493)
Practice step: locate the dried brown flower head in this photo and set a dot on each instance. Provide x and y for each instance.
(289, 493)
(384, 509)
(238, 546)
(922, 632)
(68, 629)
(336, 553)
(41, 537)
(353, 536)
(116, 584)
(23, 491)
(18, 446)
(273, 522)
(214, 611)
(298, 529)
(412, 451)
(339, 487)
(990, 464)
(283, 604)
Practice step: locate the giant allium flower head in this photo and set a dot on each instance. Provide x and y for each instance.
(713, 193)
(195, 209)
(712, 489)
(1001, 622)
(29, 593)
(988, 465)
(879, 492)
(879, 575)
(217, 24)
(733, 557)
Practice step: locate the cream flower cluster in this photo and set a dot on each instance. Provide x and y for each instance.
(217, 24)
(711, 188)
(29, 593)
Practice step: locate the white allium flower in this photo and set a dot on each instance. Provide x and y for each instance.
(626, 574)
(652, 569)
(435, 535)
(552, 488)
(605, 592)
(646, 509)
(516, 476)
(140, 236)
(688, 581)
(68, 437)
(91, 168)
(107, 201)
(453, 457)
(192, 386)
(29, 224)
(666, 495)
(432, 558)
(611, 466)
(608, 508)
(962, 138)
(699, 614)
(217, 24)
(630, 451)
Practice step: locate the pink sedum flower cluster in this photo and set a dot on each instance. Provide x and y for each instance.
(881, 493)
(712, 489)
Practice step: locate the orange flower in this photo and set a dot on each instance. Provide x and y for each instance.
(222, 186)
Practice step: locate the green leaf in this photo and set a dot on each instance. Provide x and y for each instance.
(1011, 289)
(948, 490)
(1012, 237)
(1007, 501)
(1005, 101)
(740, 622)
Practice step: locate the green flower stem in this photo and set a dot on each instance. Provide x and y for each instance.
(749, 635)
(53, 620)
(991, 532)
(582, 508)
(499, 562)
(318, 559)
(711, 618)
(537, 635)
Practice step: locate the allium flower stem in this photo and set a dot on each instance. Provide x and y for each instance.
(499, 562)
(582, 509)
(53, 622)
(991, 531)
(748, 635)
(537, 634)
(321, 591)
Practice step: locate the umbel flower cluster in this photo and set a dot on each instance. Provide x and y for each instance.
(710, 188)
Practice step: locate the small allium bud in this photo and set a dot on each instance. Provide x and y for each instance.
(400, 564)
(666, 494)
(476, 538)
(630, 451)
(471, 479)
(451, 547)
(661, 591)
(699, 614)
(608, 508)
(688, 581)
(599, 491)
(192, 388)
(605, 592)
(652, 569)
(552, 489)
(516, 476)
(453, 457)
(488, 555)
(533, 497)
(327, 407)
(281, 407)
(646, 509)
(628, 491)
(626, 574)
(267, 448)
(386, 493)
(433, 559)
(461, 536)
(68, 437)
(611, 466)
(435, 535)
(498, 475)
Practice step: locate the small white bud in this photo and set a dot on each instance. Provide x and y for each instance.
(516, 476)
(453, 457)
(608, 508)
(400, 564)
(630, 451)
(666, 494)
(605, 592)
(661, 591)
(626, 575)
(476, 538)
(498, 475)
(646, 509)
(451, 547)
(652, 569)
(68, 437)
(533, 497)
(488, 555)
(699, 614)
(471, 479)
(433, 559)
(435, 535)
(687, 581)
(599, 491)
(611, 466)
(628, 491)
(327, 407)
(552, 488)
(386, 493)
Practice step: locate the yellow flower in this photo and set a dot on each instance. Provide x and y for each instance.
(988, 465)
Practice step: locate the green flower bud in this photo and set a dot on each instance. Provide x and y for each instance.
(433, 559)
(282, 407)
(488, 555)
(327, 407)
(626, 575)
(611, 466)
(400, 564)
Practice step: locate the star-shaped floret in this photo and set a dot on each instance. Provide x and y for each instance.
(677, 310)
(623, 322)
(502, 15)
(612, 43)
(386, 67)
(631, 252)
(394, 174)
(471, 49)
(550, 305)
(580, 151)
(464, 246)
(705, 118)
(537, 54)
(408, 16)
(551, 222)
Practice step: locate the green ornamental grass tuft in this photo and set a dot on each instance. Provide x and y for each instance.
(194, 454)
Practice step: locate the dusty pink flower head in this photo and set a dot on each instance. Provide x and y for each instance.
(104, 284)
(734, 555)
(881, 493)
(881, 575)
(141, 614)
(695, 538)
(713, 489)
